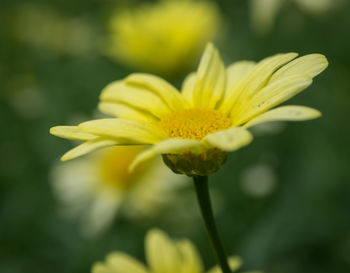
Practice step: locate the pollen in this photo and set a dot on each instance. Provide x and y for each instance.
(194, 123)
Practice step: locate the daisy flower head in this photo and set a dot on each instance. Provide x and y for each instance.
(195, 129)
(164, 37)
(98, 187)
(163, 254)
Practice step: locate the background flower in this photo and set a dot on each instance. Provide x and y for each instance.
(163, 255)
(164, 37)
(99, 187)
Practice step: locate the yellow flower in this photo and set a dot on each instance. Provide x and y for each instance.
(194, 129)
(163, 255)
(264, 12)
(164, 37)
(99, 187)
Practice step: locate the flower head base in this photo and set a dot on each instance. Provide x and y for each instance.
(176, 256)
(195, 123)
(193, 129)
(164, 37)
(193, 164)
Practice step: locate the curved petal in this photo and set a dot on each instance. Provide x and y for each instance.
(211, 79)
(236, 72)
(235, 262)
(311, 65)
(270, 96)
(130, 131)
(188, 88)
(99, 268)
(119, 262)
(171, 145)
(88, 147)
(289, 113)
(255, 80)
(121, 110)
(230, 139)
(136, 97)
(191, 261)
(169, 94)
(161, 253)
(71, 132)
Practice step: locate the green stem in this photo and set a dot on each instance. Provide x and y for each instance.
(202, 191)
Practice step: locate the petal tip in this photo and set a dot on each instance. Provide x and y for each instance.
(65, 158)
(57, 130)
(52, 130)
(316, 114)
(325, 61)
(210, 45)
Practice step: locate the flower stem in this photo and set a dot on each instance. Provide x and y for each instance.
(202, 191)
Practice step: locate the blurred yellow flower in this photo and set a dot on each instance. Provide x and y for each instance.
(163, 255)
(194, 129)
(98, 187)
(264, 12)
(164, 37)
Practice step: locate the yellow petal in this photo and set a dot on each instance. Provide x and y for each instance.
(161, 253)
(87, 147)
(211, 79)
(136, 97)
(230, 139)
(100, 268)
(311, 65)
(290, 113)
(191, 261)
(119, 262)
(235, 263)
(71, 132)
(130, 131)
(160, 87)
(236, 72)
(124, 111)
(272, 95)
(188, 88)
(172, 145)
(254, 81)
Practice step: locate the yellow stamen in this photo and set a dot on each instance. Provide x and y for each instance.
(194, 123)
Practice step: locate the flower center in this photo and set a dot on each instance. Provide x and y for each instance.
(194, 123)
(114, 167)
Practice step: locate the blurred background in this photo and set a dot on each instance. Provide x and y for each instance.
(282, 203)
